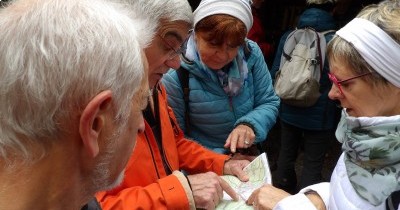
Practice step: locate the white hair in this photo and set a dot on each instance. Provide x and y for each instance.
(158, 10)
(55, 56)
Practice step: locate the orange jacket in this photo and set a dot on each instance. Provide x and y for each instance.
(146, 184)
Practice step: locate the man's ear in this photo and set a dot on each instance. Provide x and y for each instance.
(92, 121)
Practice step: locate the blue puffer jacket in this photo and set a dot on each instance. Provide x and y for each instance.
(322, 115)
(213, 114)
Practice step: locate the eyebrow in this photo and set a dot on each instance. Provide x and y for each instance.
(174, 34)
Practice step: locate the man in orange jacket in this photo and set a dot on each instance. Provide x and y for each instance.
(152, 178)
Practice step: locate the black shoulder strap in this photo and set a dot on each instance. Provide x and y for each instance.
(319, 53)
(393, 201)
(92, 205)
(246, 49)
(183, 76)
(319, 49)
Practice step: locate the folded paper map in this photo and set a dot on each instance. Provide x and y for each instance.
(259, 174)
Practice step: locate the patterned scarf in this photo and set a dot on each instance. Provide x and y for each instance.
(231, 77)
(372, 155)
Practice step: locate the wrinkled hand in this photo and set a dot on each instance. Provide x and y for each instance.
(266, 197)
(208, 190)
(235, 167)
(238, 156)
(240, 137)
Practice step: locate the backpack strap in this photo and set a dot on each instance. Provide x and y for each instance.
(183, 76)
(319, 54)
(327, 32)
(319, 61)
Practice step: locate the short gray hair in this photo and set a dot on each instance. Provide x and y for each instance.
(386, 15)
(55, 56)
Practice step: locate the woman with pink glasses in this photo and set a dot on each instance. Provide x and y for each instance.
(364, 59)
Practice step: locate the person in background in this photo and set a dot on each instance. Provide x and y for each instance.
(232, 103)
(153, 177)
(72, 88)
(365, 72)
(257, 32)
(312, 126)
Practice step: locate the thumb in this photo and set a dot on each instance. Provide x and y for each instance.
(242, 175)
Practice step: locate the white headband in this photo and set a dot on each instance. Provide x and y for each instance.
(377, 48)
(239, 9)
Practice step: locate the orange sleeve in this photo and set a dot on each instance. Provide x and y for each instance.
(195, 158)
(166, 193)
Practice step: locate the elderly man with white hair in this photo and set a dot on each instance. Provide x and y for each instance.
(73, 85)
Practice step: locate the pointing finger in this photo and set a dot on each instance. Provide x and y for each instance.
(229, 190)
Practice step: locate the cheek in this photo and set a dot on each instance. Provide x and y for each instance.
(366, 106)
(232, 54)
(128, 138)
(136, 123)
(205, 54)
(154, 63)
(128, 142)
(155, 58)
(126, 146)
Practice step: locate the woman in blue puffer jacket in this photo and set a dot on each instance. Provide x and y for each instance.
(232, 103)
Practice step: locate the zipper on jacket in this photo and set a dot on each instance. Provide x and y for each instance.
(176, 133)
(231, 108)
(152, 155)
(166, 160)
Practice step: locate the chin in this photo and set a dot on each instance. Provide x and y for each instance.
(154, 79)
(214, 65)
(215, 68)
(351, 113)
(117, 181)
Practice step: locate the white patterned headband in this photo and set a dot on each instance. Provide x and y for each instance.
(378, 49)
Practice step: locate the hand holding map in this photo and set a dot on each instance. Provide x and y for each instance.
(259, 174)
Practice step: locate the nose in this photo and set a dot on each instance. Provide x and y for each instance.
(174, 62)
(221, 54)
(334, 93)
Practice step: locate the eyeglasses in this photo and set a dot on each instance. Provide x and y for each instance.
(172, 52)
(338, 83)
